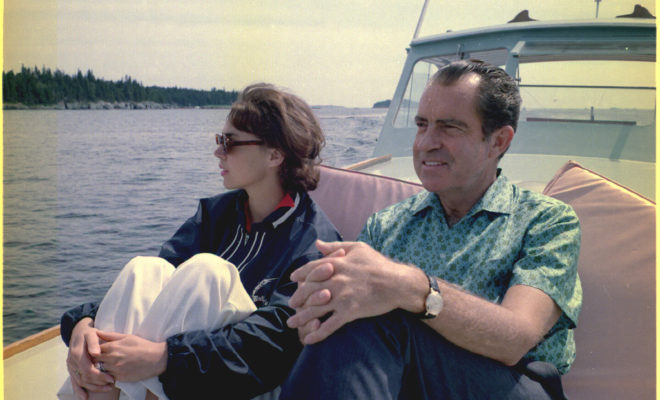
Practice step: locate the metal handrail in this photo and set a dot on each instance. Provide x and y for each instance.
(588, 86)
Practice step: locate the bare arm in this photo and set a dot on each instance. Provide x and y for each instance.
(365, 283)
(504, 332)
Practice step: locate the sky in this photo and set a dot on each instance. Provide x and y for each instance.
(330, 52)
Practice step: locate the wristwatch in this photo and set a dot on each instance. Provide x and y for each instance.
(433, 302)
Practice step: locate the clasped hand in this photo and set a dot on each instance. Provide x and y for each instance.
(83, 347)
(124, 357)
(352, 281)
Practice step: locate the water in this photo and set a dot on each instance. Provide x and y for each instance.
(85, 191)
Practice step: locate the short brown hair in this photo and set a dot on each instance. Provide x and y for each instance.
(498, 97)
(284, 122)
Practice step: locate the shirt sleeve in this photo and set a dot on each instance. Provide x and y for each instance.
(240, 355)
(549, 259)
(73, 316)
(368, 233)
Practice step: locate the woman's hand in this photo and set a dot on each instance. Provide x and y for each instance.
(83, 347)
(131, 358)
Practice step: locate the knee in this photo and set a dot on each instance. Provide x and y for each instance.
(207, 260)
(206, 264)
(155, 267)
(389, 329)
(371, 369)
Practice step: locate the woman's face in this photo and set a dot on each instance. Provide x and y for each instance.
(244, 166)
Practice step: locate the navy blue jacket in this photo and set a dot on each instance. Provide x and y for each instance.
(252, 356)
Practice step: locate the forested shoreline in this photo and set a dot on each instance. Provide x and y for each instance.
(42, 88)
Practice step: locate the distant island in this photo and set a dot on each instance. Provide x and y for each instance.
(382, 104)
(43, 89)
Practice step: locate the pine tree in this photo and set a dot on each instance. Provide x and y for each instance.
(43, 87)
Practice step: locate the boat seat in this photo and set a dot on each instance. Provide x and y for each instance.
(615, 336)
(360, 195)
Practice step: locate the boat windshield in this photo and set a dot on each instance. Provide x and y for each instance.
(600, 78)
(589, 85)
(616, 92)
(600, 91)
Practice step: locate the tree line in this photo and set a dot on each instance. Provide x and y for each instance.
(34, 86)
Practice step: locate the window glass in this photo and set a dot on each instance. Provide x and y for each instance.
(422, 72)
(621, 91)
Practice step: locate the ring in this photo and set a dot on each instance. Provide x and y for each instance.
(77, 372)
(100, 367)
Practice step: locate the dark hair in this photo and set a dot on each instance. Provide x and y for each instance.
(286, 123)
(498, 97)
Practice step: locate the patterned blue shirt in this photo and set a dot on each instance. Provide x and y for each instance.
(511, 236)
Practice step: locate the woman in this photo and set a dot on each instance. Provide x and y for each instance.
(190, 332)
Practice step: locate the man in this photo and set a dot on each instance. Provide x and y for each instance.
(466, 290)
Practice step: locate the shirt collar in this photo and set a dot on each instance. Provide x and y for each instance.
(497, 199)
(287, 201)
(284, 208)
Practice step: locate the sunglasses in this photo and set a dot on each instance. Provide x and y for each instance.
(228, 143)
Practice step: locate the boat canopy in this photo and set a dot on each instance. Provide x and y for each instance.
(444, 16)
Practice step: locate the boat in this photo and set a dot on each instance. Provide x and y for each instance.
(586, 136)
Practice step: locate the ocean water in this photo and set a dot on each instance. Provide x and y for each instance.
(85, 191)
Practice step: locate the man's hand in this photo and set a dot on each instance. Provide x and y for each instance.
(83, 347)
(342, 288)
(321, 273)
(131, 358)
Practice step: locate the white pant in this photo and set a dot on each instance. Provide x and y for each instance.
(152, 299)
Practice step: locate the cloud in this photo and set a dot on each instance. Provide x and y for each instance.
(330, 52)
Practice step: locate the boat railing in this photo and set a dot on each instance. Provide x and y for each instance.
(29, 342)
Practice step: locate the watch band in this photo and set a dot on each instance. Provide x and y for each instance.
(433, 283)
(433, 302)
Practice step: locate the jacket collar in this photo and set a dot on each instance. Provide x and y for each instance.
(286, 207)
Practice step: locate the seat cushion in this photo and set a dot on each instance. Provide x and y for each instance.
(350, 197)
(615, 336)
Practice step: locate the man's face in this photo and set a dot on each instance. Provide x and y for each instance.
(450, 154)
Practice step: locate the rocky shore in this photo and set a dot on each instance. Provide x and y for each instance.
(100, 105)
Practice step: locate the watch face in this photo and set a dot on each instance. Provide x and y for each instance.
(434, 303)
